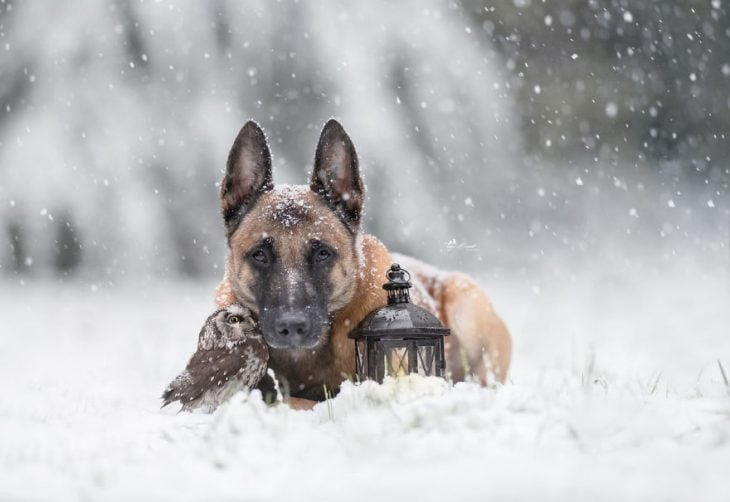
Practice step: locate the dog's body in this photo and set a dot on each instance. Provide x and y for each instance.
(298, 259)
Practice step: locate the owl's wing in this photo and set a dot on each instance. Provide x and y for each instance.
(207, 369)
(177, 390)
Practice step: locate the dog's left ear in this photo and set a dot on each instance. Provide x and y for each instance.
(336, 176)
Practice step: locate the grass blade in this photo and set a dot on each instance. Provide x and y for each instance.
(724, 375)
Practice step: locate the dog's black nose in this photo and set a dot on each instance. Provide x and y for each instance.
(292, 323)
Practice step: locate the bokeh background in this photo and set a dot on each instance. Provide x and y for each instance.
(494, 136)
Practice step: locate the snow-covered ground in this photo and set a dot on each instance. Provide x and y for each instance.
(615, 394)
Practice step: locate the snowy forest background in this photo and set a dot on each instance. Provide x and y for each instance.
(573, 156)
(492, 136)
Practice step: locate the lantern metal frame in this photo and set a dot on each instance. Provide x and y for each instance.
(400, 337)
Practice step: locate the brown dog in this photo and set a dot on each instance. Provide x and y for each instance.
(299, 261)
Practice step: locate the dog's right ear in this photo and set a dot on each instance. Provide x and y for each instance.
(248, 173)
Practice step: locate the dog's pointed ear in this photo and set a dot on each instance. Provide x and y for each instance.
(248, 173)
(336, 176)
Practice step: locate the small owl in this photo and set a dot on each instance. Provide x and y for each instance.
(231, 356)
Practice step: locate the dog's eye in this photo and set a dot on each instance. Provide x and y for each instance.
(259, 256)
(233, 319)
(323, 254)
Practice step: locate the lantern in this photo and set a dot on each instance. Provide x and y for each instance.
(399, 338)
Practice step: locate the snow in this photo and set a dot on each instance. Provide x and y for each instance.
(611, 109)
(615, 393)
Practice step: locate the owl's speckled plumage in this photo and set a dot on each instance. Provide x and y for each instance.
(231, 356)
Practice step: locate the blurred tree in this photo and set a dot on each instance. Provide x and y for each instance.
(67, 246)
(648, 78)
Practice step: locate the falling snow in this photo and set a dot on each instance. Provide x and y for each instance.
(572, 157)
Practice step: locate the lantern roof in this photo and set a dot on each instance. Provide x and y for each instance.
(400, 317)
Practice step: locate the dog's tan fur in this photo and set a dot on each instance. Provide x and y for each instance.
(480, 344)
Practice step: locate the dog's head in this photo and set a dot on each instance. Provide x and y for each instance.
(293, 249)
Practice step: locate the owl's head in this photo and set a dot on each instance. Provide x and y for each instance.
(231, 324)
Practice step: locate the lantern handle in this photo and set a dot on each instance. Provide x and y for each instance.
(395, 268)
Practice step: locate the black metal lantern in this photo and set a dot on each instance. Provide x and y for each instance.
(399, 338)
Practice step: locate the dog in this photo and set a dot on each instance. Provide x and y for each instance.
(299, 260)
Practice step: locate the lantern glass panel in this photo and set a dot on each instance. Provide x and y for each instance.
(426, 359)
(361, 358)
(396, 360)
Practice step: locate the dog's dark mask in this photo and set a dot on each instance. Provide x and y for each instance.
(292, 296)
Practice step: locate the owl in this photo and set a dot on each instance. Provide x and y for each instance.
(231, 356)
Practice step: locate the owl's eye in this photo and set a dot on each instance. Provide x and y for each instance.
(233, 319)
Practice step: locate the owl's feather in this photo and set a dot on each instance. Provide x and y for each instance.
(212, 368)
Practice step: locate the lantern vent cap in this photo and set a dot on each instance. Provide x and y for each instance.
(399, 282)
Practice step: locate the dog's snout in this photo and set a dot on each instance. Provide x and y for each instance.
(292, 323)
(291, 328)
